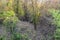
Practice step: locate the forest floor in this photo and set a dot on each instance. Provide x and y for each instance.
(44, 30)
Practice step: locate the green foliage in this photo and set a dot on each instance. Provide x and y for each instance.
(9, 13)
(18, 8)
(6, 14)
(1, 15)
(56, 16)
(18, 36)
(35, 18)
(21, 11)
(10, 21)
(10, 18)
(56, 21)
(2, 37)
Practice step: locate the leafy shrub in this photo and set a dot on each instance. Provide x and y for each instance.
(8, 16)
(18, 8)
(56, 16)
(9, 13)
(10, 20)
(56, 21)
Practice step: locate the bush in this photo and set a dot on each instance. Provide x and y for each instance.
(56, 21)
(8, 16)
(10, 20)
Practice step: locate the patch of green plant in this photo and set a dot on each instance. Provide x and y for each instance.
(1, 15)
(18, 8)
(35, 18)
(18, 36)
(56, 20)
(2, 37)
(10, 20)
(9, 17)
(9, 13)
(21, 11)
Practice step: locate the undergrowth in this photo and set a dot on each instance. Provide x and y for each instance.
(56, 21)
